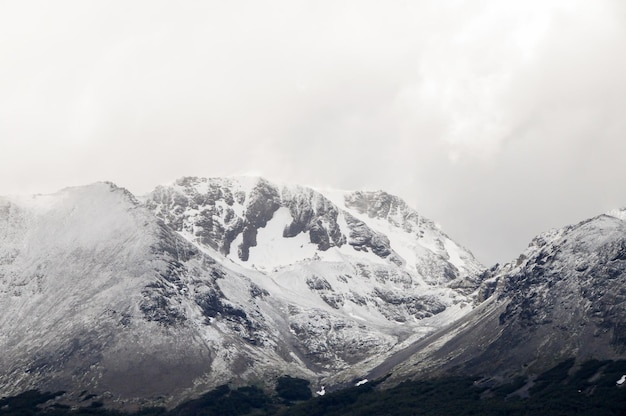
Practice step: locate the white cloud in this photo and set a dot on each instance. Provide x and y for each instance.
(497, 118)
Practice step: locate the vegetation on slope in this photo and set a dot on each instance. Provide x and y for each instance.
(567, 389)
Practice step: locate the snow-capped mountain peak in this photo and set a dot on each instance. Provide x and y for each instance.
(618, 213)
(216, 280)
(229, 215)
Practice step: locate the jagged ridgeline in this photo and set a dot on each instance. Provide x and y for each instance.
(211, 281)
(563, 298)
(212, 285)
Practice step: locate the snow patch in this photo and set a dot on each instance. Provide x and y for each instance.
(456, 254)
(618, 213)
(273, 250)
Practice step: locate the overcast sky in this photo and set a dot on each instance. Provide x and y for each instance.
(497, 119)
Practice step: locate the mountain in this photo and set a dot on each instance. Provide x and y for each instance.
(356, 269)
(297, 223)
(563, 298)
(97, 293)
(211, 281)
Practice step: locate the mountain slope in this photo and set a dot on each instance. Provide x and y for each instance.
(227, 214)
(98, 294)
(564, 297)
(232, 281)
(357, 268)
(240, 280)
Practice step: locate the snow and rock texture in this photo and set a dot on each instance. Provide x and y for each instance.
(233, 280)
(564, 297)
(297, 223)
(358, 272)
(240, 280)
(98, 294)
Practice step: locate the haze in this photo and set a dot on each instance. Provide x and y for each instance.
(497, 119)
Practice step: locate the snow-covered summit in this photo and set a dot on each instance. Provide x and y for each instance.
(354, 256)
(213, 281)
(563, 298)
(263, 225)
(618, 213)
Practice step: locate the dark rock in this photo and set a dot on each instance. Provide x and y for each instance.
(315, 214)
(363, 238)
(257, 292)
(263, 201)
(318, 283)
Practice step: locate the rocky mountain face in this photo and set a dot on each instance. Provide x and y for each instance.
(228, 214)
(240, 280)
(357, 272)
(98, 294)
(564, 297)
(209, 281)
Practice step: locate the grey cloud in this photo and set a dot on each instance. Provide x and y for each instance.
(497, 119)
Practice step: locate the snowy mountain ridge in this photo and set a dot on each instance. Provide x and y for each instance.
(151, 300)
(215, 280)
(563, 298)
(220, 213)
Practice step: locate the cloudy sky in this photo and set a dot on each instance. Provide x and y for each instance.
(498, 119)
